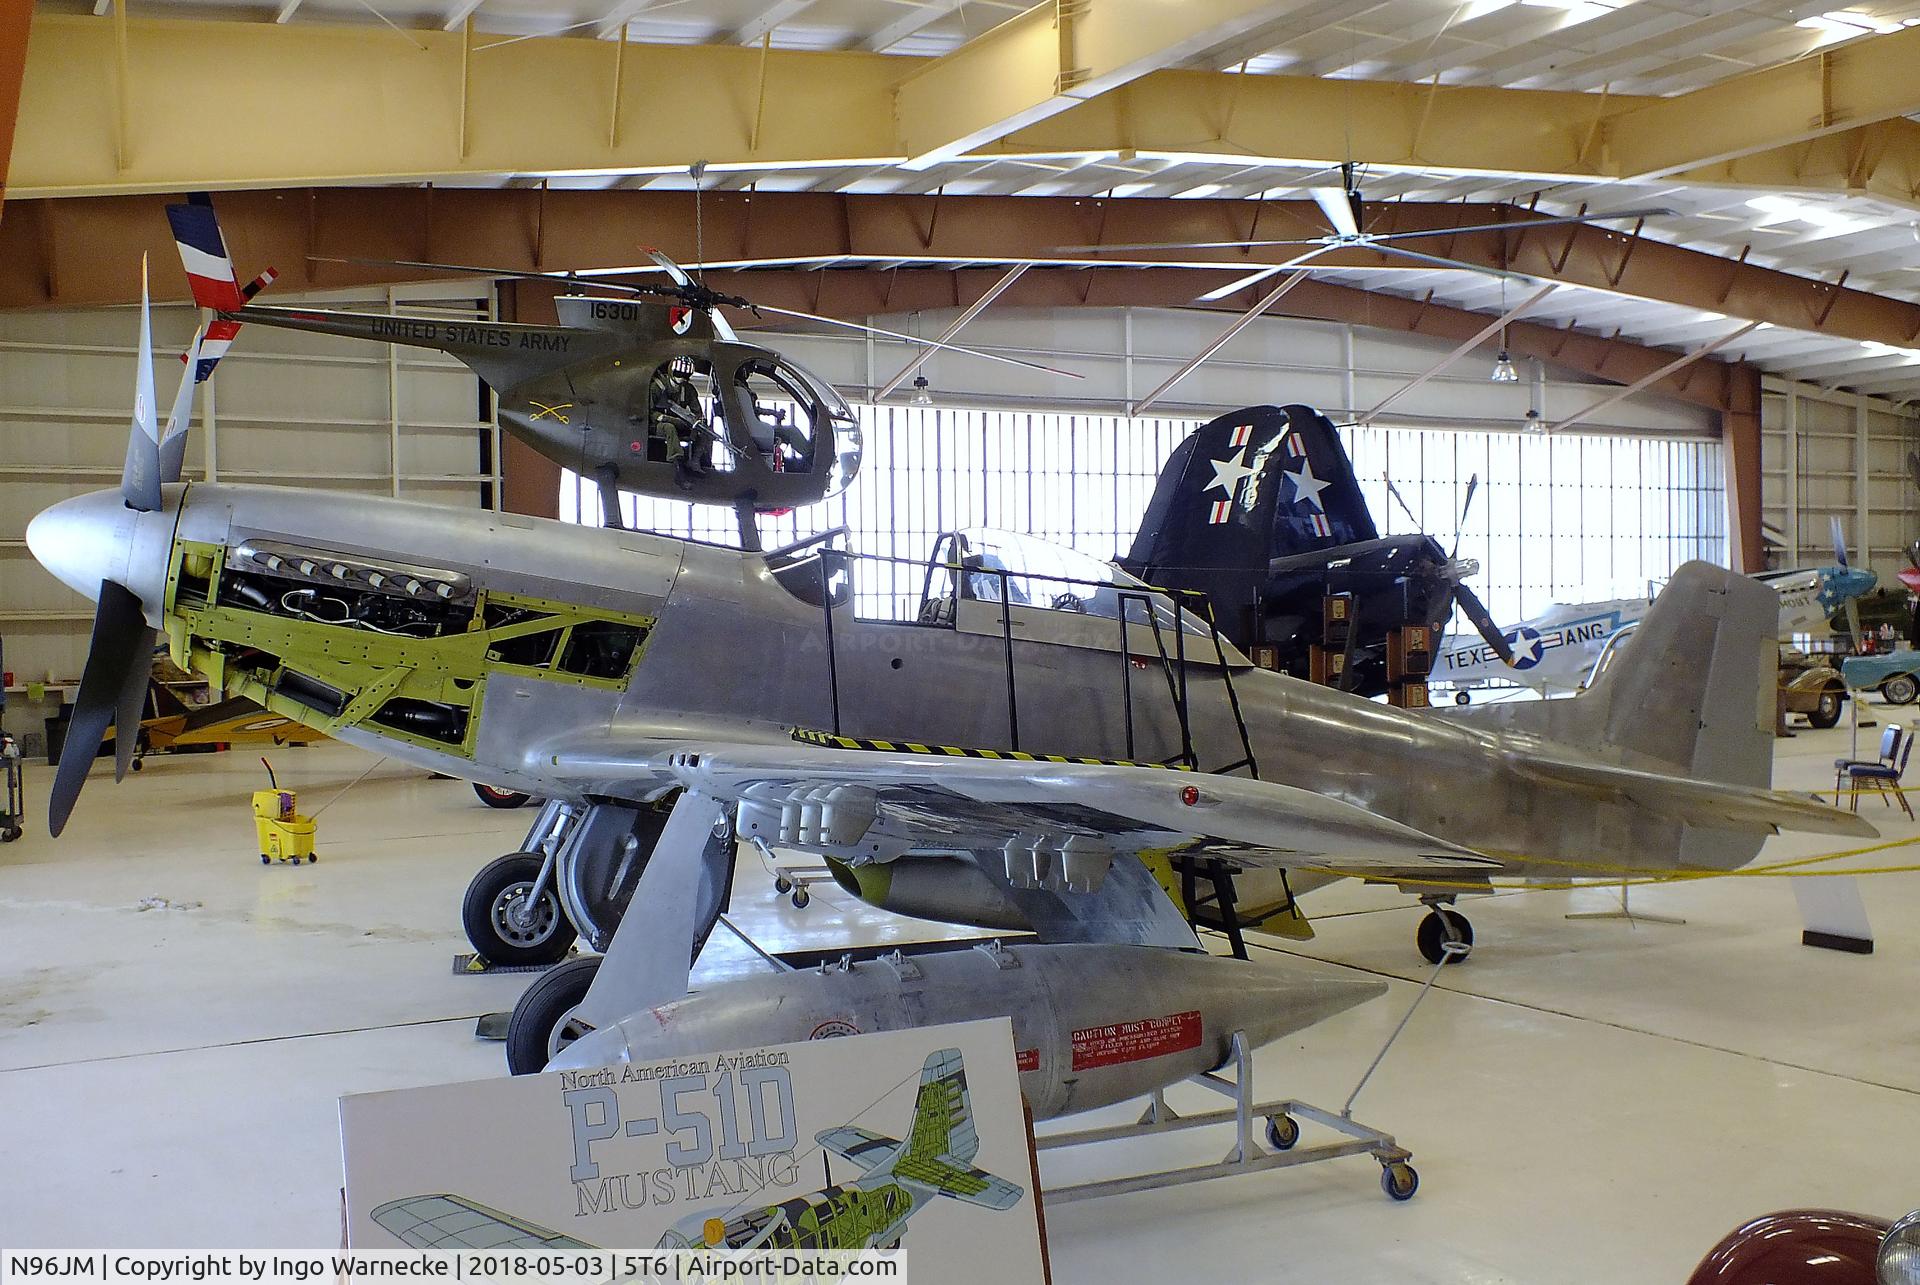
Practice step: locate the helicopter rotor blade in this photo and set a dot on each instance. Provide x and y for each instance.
(480, 270)
(915, 339)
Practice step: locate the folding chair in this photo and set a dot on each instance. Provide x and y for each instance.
(1884, 776)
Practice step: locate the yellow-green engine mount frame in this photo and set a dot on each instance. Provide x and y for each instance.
(371, 667)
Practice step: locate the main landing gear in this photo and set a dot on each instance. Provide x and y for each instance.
(574, 879)
(1441, 925)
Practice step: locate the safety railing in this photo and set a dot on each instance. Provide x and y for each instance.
(1174, 662)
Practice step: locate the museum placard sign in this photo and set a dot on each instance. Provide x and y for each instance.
(904, 1138)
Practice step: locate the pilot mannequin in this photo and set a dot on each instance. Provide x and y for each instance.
(676, 417)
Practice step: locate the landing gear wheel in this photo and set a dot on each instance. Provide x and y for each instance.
(1282, 1132)
(542, 1022)
(1462, 698)
(800, 898)
(9, 834)
(1443, 925)
(494, 798)
(1900, 689)
(500, 923)
(1826, 711)
(1399, 1180)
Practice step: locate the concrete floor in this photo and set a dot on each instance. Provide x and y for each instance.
(1585, 1101)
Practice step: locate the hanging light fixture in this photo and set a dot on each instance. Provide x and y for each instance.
(1503, 371)
(923, 395)
(1534, 421)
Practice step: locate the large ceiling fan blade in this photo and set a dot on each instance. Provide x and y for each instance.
(916, 339)
(122, 641)
(1338, 205)
(140, 476)
(1526, 225)
(1435, 261)
(1476, 611)
(1184, 245)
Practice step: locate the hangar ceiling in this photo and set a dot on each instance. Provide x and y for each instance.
(1783, 136)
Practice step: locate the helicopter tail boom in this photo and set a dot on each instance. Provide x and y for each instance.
(502, 353)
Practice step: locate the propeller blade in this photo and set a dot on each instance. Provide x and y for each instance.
(173, 442)
(1466, 507)
(916, 339)
(1476, 611)
(1853, 623)
(131, 702)
(1839, 541)
(122, 641)
(140, 477)
(1523, 225)
(1337, 204)
(1401, 500)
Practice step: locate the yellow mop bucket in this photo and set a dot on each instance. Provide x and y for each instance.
(284, 834)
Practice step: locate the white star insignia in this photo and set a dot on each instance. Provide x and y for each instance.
(1306, 486)
(1229, 473)
(1526, 646)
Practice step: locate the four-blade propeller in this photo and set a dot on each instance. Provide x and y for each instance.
(113, 686)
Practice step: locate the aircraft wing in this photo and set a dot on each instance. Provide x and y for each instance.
(454, 1222)
(1709, 803)
(874, 805)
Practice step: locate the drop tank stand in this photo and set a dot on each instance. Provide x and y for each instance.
(1282, 1116)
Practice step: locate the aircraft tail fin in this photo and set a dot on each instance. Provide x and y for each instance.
(209, 268)
(1254, 485)
(1691, 689)
(943, 1142)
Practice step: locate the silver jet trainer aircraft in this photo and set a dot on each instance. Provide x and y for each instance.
(1012, 756)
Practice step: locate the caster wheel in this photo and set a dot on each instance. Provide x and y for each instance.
(500, 924)
(1399, 1180)
(1462, 698)
(1282, 1132)
(782, 885)
(9, 834)
(313, 861)
(139, 766)
(1439, 927)
(542, 1022)
(800, 898)
(265, 860)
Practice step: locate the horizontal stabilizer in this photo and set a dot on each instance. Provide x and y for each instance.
(1702, 803)
(862, 1147)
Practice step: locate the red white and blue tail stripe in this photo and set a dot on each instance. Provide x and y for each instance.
(203, 253)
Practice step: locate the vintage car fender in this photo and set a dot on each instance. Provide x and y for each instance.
(1796, 1247)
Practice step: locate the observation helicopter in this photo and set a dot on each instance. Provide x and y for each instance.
(653, 393)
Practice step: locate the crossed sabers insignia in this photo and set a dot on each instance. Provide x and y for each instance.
(545, 410)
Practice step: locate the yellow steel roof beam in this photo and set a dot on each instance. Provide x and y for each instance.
(227, 104)
(1053, 56)
(1859, 83)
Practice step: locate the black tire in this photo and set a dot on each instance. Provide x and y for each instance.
(1399, 1180)
(1901, 689)
(9, 834)
(1440, 926)
(1282, 1132)
(497, 798)
(801, 897)
(499, 887)
(539, 1026)
(1827, 711)
(1463, 698)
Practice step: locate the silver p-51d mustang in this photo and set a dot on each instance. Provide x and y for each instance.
(1012, 757)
